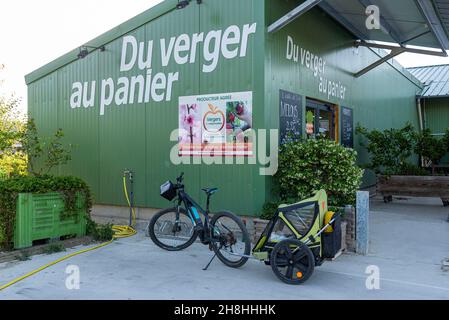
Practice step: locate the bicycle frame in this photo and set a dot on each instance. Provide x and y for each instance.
(193, 210)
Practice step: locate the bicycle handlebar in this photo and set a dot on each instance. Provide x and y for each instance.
(180, 178)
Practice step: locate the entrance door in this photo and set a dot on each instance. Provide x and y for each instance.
(320, 118)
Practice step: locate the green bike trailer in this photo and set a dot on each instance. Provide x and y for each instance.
(299, 237)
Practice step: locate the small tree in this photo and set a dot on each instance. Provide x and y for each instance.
(390, 149)
(50, 153)
(12, 124)
(430, 148)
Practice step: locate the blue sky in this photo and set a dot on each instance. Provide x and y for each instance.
(34, 33)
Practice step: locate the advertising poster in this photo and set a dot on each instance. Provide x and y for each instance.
(216, 125)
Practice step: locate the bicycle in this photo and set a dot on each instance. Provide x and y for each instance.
(177, 228)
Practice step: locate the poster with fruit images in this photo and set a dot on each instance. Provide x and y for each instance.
(216, 125)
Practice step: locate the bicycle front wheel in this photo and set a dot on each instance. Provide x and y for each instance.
(231, 240)
(172, 230)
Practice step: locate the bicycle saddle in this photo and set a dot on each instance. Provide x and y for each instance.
(210, 191)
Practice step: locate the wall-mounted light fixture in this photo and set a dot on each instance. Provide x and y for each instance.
(84, 51)
(184, 3)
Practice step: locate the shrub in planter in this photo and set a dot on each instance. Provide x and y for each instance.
(10, 189)
(389, 149)
(391, 152)
(308, 165)
(430, 147)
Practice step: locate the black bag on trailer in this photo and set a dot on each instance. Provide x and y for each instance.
(332, 241)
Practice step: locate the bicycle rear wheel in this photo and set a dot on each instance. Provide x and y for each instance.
(172, 231)
(231, 240)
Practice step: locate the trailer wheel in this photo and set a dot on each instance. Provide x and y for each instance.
(292, 261)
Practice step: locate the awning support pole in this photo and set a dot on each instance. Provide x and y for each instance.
(406, 49)
(292, 15)
(395, 51)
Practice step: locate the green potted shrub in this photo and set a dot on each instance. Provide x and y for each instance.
(35, 205)
(308, 165)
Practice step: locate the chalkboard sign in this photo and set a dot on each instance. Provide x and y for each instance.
(290, 116)
(347, 127)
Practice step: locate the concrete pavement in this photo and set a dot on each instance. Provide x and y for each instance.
(408, 242)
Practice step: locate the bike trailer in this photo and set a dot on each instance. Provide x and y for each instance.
(299, 237)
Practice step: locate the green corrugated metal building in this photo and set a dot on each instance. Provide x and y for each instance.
(434, 99)
(119, 97)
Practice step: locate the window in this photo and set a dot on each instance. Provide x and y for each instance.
(321, 119)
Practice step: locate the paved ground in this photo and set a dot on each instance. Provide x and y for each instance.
(409, 240)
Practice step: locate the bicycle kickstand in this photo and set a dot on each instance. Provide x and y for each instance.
(205, 268)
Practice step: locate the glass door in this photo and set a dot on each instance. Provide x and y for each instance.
(320, 119)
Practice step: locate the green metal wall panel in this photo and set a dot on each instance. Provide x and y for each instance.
(241, 186)
(80, 128)
(136, 136)
(436, 117)
(121, 134)
(436, 114)
(162, 117)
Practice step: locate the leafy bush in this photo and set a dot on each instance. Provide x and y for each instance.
(10, 189)
(306, 166)
(3, 174)
(12, 124)
(430, 147)
(50, 152)
(98, 231)
(55, 248)
(269, 209)
(408, 169)
(12, 164)
(389, 149)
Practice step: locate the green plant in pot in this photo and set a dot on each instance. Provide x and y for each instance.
(308, 165)
(390, 149)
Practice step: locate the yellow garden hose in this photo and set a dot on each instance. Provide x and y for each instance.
(120, 232)
(126, 231)
(125, 190)
(53, 263)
